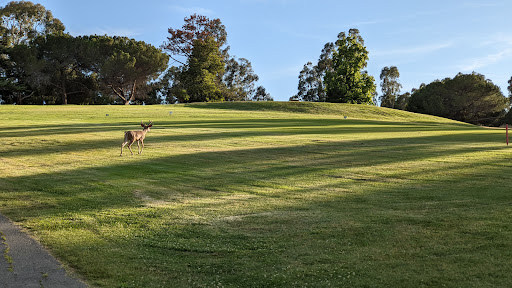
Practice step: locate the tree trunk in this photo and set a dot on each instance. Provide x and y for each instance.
(64, 92)
(132, 93)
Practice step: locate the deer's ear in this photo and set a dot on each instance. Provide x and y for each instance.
(141, 124)
(150, 125)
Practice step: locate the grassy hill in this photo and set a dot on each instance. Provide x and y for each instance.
(261, 195)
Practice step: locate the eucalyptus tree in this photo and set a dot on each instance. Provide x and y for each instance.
(390, 86)
(239, 79)
(262, 95)
(311, 85)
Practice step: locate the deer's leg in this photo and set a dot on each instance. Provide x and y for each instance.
(122, 145)
(142, 142)
(138, 146)
(130, 146)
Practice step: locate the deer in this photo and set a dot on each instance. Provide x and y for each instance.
(132, 136)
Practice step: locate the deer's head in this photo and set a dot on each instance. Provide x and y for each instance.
(146, 127)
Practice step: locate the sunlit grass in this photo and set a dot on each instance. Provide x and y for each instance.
(261, 195)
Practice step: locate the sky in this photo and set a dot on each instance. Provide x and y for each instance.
(425, 39)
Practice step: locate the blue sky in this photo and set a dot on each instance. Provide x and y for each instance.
(426, 40)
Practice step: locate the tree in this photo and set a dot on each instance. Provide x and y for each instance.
(467, 97)
(348, 82)
(239, 79)
(62, 64)
(311, 78)
(20, 23)
(310, 87)
(197, 29)
(208, 73)
(125, 65)
(202, 75)
(402, 101)
(21, 74)
(23, 21)
(390, 86)
(262, 95)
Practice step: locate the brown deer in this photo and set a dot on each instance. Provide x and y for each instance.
(132, 136)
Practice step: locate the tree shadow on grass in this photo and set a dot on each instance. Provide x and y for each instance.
(164, 131)
(308, 202)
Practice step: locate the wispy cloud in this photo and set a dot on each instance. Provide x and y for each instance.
(501, 47)
(423, 49)
(486, 60)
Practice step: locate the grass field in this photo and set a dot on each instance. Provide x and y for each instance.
(261, 195)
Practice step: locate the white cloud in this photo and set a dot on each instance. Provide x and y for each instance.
(500, 44)
(486, 60)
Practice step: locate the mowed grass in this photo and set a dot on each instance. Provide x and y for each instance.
(261, 195)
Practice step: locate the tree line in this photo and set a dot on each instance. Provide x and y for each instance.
(339, 76)
(41, 64)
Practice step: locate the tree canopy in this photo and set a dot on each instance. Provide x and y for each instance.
(348, 82)
(23, 21)
(339, 75)
(208, 73)
(467, 97)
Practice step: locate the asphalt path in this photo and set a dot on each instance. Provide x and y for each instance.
(24, 263)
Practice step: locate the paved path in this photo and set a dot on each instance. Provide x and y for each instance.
(24, 263)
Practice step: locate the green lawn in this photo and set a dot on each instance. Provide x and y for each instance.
(261, 195)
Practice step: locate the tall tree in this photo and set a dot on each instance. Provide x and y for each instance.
(197, 29)
(467, 97)
(311, 85)
(348, 82)
(23, 21)
(390, 86)
(239, 79)
(202, 75)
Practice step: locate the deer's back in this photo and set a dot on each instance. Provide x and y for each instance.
(134, 135)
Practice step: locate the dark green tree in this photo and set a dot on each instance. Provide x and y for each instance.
(20, 69)
(201, 69)
(348, 82)
(62, 70)
(20, 23)
(402, 101)
(467, 97)
(202, 75)
(390, 86)
(126, 66)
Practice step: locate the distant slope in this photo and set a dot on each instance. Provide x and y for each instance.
(351, 111)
